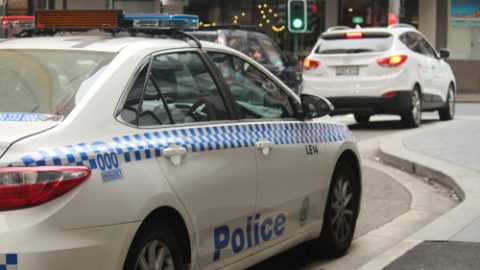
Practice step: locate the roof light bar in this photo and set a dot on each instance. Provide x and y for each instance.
(22, 22)
(161, 21)
(78, 19)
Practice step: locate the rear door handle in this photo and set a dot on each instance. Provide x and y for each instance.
(264, 146)
(175, 153)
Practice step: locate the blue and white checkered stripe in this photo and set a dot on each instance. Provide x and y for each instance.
(130, 148)
(8, 261)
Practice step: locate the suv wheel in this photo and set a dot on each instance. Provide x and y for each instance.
(448, 112)
(413, 118)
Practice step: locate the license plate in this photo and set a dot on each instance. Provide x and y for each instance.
(347, 70)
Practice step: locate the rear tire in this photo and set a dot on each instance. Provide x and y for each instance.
(341, 212)
(362, 118)
(154, 247)
(448, 112)
(413, 117)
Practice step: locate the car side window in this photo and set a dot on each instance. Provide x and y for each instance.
(256, 51)
(256, 95)
(418, 44)
(236, 43)
(177, 89)
(132, 102)
(428, 50)
(413, 42)
(273, 54)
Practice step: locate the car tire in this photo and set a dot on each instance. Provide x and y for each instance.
(413, 117)
(448, 112)
(362, 118)
(341, 212)
(154, 237)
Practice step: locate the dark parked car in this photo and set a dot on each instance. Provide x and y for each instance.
(261, 48)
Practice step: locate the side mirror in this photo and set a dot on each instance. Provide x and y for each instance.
(315, 106)
(444, 53)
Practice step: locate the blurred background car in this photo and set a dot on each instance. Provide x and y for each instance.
(261, 48)
(389, 70)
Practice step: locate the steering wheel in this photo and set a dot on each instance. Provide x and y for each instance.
(202, 110)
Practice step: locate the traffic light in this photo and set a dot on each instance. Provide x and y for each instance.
(312, 16)
(297, 16)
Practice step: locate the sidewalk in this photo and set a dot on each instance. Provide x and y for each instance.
(448, 152)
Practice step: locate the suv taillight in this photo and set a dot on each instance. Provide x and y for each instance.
(392, 61)
(310, 64)
(22, 187)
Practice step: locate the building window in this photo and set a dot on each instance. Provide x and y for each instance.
(464, 29)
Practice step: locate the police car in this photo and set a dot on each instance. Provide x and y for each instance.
(368, 71)
(121, 152)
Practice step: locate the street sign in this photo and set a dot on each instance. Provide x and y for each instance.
(357, 20)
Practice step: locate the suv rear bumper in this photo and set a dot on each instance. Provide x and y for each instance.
(399, 104)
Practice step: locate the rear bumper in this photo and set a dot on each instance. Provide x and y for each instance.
(399, 104)
(45, 246)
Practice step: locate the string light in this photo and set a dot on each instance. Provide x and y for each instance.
(243, 14)
(260, 25)
(265, 5)
(259, 6)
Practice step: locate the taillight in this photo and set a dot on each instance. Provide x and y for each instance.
(354, 35)
(392, 61)
(310, 64)
(389, 94)
(22, 187)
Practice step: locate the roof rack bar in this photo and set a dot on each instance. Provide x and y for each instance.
(400, 25)
(338, 27)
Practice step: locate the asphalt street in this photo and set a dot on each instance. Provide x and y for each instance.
(388, 212)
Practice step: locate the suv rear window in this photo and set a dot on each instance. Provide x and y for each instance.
(49, 82)
(339, 43)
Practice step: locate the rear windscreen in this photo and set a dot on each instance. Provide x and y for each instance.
(49, 82)
(335, 44)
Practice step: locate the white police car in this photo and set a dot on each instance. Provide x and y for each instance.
(161, 153)
(390, 70)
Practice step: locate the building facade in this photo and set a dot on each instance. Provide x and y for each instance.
(452, 24)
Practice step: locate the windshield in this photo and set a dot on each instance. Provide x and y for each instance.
(354, 45)
(47, 82)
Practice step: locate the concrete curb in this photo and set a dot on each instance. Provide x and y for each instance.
(463, 181)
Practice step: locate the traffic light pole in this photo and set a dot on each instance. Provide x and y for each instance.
(295, 45)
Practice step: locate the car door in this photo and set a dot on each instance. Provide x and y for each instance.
(176, 102)
(289, 157)
(439, 76)
(423, 63)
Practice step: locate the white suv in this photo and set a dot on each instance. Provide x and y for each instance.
(390, 70)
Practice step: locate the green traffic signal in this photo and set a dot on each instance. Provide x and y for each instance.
(297, 24)
(297, 15)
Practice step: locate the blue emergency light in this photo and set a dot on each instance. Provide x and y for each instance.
(163, 21)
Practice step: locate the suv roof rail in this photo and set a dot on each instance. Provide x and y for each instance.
(399, 25)
(229, 26)
(338, 27)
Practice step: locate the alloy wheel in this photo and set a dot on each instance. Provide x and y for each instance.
(155, 255)
(343, 209)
